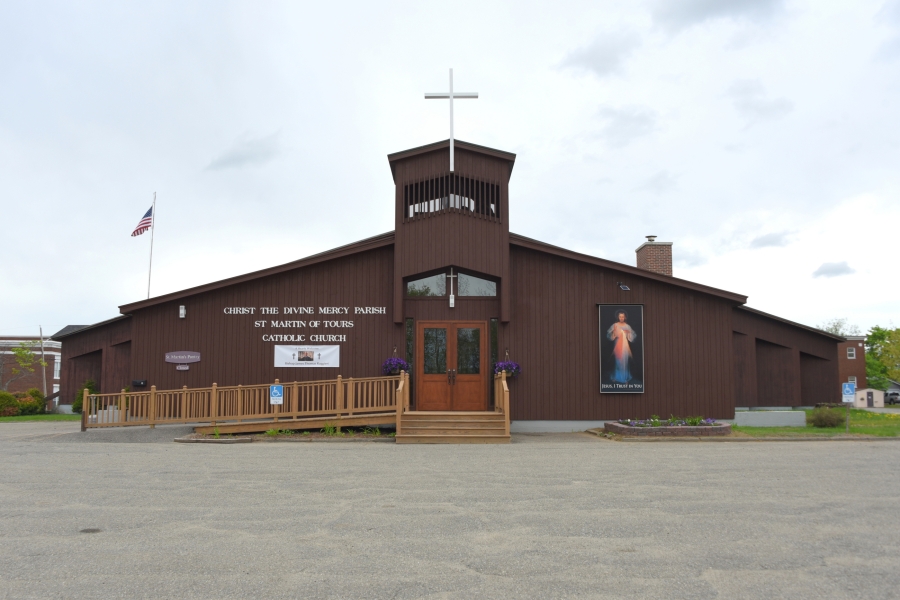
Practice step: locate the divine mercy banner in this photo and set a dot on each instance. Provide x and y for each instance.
(307, 356)
(621, 348)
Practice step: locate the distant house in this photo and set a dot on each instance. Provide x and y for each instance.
(852, 361)
(52, 351)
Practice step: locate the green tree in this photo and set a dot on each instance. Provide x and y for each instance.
(876, 368)
(839, 327)
(890, 355)
(24, 362)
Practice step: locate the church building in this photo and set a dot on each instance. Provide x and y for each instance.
(452, 291)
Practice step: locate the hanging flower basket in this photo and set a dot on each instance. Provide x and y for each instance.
(512, 368)
(394, 365)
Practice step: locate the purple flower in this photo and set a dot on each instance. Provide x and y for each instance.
(512, 368)
(394, 364)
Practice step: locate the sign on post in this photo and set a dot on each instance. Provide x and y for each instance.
(848, 392)
(276, 394)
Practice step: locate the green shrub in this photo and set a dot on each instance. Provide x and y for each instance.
(9, 406)
(36, 394)
(30, 406)
(825, 417)
(91, 386)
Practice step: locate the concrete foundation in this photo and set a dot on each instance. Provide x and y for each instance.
(772, 418)
(553, 426)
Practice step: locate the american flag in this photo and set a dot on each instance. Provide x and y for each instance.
(145, 223)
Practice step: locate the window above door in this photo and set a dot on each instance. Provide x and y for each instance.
(463, 285)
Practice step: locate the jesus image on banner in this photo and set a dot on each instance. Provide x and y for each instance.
(621, 334)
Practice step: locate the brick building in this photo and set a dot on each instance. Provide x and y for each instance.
(52, 355)
(852, 361)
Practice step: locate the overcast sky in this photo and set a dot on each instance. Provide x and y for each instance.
(761, 137)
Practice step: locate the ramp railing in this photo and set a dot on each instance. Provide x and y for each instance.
(217, 404)
(501, 397)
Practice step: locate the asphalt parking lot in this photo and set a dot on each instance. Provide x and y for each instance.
(129, 514)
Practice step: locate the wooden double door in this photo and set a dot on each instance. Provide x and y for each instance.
(451, 370)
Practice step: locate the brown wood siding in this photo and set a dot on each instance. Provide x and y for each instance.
(779, 373)
(744, 370)
(232, 350)
(107, 364)
(817, 380)
(554, 335)
(454, 238)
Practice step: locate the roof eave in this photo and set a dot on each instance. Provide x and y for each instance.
(501, 154)
(525, 242)
(378, 241)
(827, 334)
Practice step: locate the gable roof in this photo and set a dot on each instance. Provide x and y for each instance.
(385, 239)
(73, 329)
(67, 330)
(501, 154)
(793, 323)
(525, 242)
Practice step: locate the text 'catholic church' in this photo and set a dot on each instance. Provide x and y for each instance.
(454, 292)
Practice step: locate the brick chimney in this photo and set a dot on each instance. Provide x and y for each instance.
(655, 256)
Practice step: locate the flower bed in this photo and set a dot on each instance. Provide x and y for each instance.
(691, 427)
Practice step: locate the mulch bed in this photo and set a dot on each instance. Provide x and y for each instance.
(675, 431)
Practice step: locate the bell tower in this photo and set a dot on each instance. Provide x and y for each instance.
(451, 219)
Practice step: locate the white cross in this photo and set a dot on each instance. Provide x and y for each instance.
(451, 95)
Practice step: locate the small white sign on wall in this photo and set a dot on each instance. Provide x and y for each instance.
(307, 356)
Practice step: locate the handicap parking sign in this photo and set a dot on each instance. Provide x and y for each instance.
(848, 391)
(276, 394)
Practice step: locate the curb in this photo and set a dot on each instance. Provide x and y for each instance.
(766, 439)
(240, 440)
(307, 440)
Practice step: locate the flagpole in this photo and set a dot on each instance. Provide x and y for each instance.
(152, 228)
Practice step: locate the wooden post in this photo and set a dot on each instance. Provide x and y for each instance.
(85, 407)
(152, 408)
(184, 404)
(295, 400)
(339, 398)
(277, 407)
(240, 403)
(351, 396)
(214, 404)
(401, 390)
(121, 415)
(505, 399)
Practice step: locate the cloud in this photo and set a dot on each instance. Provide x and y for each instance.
(604, 55)
(247, 151)
(688, 258)
(833, 270)
(676, 15)
(889, 15)
(624, 125)
(771, 240)
(748, 97)
(660, 183)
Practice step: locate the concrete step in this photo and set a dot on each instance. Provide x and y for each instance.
(453, 431)
(444, 423)
(452, 439)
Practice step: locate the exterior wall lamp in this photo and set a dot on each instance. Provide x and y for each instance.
(182, 312)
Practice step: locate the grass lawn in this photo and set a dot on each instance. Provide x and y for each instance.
(40, 418)
(862, 422)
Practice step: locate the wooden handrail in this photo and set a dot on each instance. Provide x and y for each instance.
(218, 404)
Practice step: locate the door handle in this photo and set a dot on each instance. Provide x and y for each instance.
(449, 377)
(454, 376)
